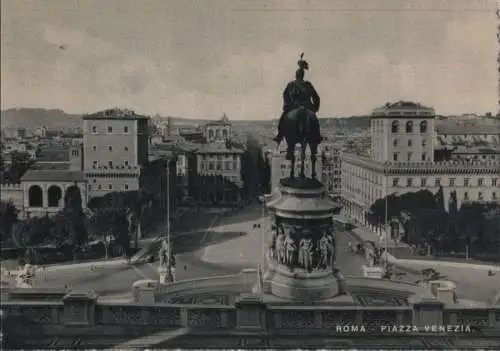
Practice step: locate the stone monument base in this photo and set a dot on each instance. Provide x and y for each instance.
(300, 285)
(372, 271)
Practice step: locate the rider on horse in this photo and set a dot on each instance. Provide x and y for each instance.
(300, 93)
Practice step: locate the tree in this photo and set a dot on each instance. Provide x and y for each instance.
(8, 216)
(70, 222)
(108, 225)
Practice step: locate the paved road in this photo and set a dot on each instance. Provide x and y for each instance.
(117, 281)
(230, 244)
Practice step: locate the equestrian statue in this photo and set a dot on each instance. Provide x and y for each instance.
(298, 122)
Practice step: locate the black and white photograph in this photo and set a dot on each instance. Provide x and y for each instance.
(250, 174)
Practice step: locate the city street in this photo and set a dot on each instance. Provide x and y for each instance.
(228, 244)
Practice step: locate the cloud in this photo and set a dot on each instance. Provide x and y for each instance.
(200, 59)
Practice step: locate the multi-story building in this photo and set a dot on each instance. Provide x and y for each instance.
(402, 160)
(477, 131)
(185, 166)
(219, 174)
(331, 171)
(115, 146)
(217, 131)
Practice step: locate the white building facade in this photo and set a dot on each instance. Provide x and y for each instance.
(402, 160)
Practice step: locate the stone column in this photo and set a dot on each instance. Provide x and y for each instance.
(45, 194)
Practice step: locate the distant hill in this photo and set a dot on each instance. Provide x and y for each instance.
(35, 117)
(58, 119)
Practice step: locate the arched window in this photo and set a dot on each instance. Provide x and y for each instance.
(395, 127)
(55, 195)
(423, 126)
(35, 196)
(224, 133)
(94, 129)
(409, 127)
(210, 133)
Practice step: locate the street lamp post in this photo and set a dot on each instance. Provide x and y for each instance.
(170, 276)
(386, 225)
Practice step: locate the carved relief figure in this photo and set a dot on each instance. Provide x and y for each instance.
(305, 254)
(324, 250)
(280, 246)
(290, 248)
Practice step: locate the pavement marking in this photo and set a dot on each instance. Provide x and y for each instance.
(140, 272)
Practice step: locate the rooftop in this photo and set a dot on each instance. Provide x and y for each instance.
(115, 113)
(468, 127)
(403, 108)
(47, 175)
(224, 121)
(218, 148)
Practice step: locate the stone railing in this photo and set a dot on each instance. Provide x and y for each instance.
(56, 315)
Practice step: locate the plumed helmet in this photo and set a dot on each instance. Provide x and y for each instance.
(303, 64)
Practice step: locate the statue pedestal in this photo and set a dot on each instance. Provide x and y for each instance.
(372, 271)
(301, 285)
(163, 273)
(304, 238)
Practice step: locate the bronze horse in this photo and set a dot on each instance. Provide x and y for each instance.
(298, 122)
(300, 126)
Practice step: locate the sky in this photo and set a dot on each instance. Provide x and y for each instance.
(204, 58)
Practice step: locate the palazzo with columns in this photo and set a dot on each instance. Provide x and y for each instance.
(44, 191)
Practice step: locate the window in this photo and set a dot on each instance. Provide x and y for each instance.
(494, 195)
(110, 129)
(110, 186)
(395, 182)
(423, 182)
(480, 196)
(94, 129)
(110, 148)
(126, 186)
(395, 142)
(409, 127)
(94, 148)
(437, 182)
(466, 181)
(219, 166)
(480, 182)
(424, 143)
(452, 181)
(409, 182)
(94, 181)
(125, 148)
(110, 163)
(126, 163)
(125, 130)
(395, 156)
(408, 156)
(424, 156)
(494, 181)
(423, 126)
(409, 142)
(99, 187)
(466, 196)
(94, 163)
(395, 127)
